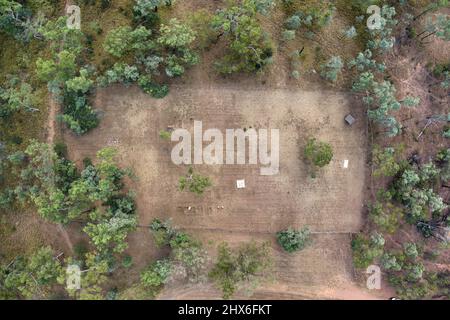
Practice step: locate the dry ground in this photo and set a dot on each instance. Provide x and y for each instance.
(331, 204)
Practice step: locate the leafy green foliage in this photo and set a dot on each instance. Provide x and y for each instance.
(93, 276)
(366, 250)
(389, 262)
(414, 189)
(382, 38)
(249, 48)
(170, 51)
(156, 274)
(242, 267)
(60, 193)
(294, 240)
(386, 161)
(332, 68)
(16, 97)
(17, 21)
(350, 33)
(187, 254)
(123, 40)
(313, 18)
(318, 153)
(119, 73)
(194, 182)
(380, 98)
(30, 277)
(386, 216)
(69, 83)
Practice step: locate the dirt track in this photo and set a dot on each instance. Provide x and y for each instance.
(331, 204)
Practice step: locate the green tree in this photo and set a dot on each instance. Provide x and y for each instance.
(386, 216)
(410, 249)
(81, 83)
(386, 162)
(365, 250)
(250, 48)
(332, 69)
(389, 262)
(243, 267)
(194, 182)
(16, 97)
(59, 70)
(318, 153)
(294, 240)
(176, 35)
(32, 276)
(123, 40)
(187, 254)
(156, 274)
(110, 233)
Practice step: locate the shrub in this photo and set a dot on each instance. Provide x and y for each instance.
(386, 216)
(241, 267)
(123, 40)
(165, 135)
(294, 240)
(319, 153)
(366, 250)
(194, 182)
(127, 262)
(293, 23)
(156, 274)
(288, 35)
(332, 68)
(250, 48)
(389, 262)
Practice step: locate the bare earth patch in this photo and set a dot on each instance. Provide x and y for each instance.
(331, 204)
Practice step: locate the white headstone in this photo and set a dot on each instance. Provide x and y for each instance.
(240, 184)
(345, 164)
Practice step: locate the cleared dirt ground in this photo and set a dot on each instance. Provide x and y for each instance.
(331, 204)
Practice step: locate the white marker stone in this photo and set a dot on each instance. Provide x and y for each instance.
(345, 164)
(240, 184)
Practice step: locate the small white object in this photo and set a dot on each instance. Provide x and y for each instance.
(240, 184)
(345, 164)
(189, 208)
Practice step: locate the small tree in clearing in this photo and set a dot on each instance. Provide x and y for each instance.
(294, 240)
(318, 153)
(194, 182)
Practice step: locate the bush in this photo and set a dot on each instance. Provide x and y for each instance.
(332, 68)
(386, 216)
(366, 250)
(194, 182)
(155, 90)
(156, 274)
(123, 40)
(250, 48)
(294, 240)
(77, 113)
(293, 23)
(241, 267)
(389, 262)
(319, 153)
(120, 73)
(127, 262)
(288, 35)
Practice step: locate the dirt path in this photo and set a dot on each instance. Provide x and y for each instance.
(51, 134)
(51, 122)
